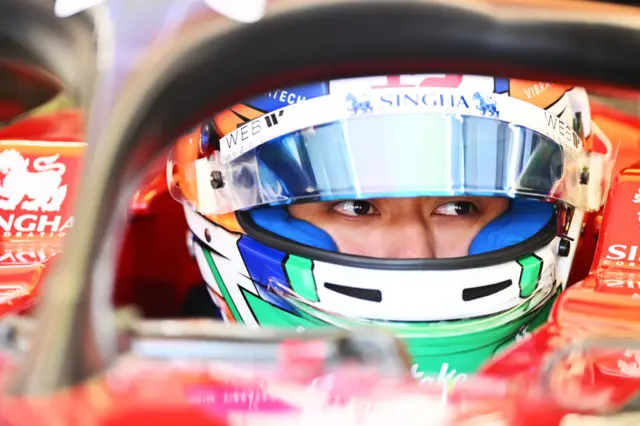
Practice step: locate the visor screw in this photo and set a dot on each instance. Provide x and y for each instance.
(207, 235)
(564, 247)
(584, 176)
(216, 180)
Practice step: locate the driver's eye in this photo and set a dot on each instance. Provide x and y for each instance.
(456, 208)
(355, 208)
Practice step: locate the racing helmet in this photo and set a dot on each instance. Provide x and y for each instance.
(245, 175)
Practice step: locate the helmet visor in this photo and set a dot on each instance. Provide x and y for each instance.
(420, 154)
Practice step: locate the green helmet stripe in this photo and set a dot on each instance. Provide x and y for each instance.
(270, 315)
(223, 288)
(530, 275)
(299, 270)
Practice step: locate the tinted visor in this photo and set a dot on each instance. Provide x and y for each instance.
(420, 154)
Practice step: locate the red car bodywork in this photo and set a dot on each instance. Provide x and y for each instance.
(156, 272)
(31, 239)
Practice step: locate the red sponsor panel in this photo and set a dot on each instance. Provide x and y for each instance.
(38, 181)
(619, 236)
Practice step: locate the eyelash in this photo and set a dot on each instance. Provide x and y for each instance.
(366, 206)
(472, 208)
(355, 204)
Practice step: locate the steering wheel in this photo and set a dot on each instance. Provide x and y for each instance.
(213, 62)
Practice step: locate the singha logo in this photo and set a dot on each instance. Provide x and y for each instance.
(355, 105)
(630, 368)
(42, 188)
(487, 106)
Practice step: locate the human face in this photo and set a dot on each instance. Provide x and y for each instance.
(403, 228)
